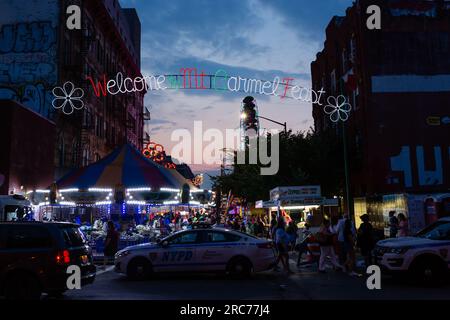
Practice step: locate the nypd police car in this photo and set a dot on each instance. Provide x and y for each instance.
(203, 249)
(425, 256)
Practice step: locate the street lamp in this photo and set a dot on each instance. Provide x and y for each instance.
(244, 116)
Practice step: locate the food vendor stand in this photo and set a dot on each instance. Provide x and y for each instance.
(300, 203)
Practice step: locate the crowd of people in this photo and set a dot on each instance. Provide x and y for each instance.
(336, 242)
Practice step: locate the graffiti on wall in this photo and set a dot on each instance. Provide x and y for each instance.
(35, 97)
(27, 37)
(425, 176)
(28, 64)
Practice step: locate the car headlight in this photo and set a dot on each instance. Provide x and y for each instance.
(398, 250)
(121, 254)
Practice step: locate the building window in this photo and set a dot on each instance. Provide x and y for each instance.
(61, 151)
(68, 53)
(74, 153)
(333, 81)
(353, 50)
(355, 95)
(85, 157)
(344, 61)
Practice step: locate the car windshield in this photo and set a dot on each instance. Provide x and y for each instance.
(439, 230)
(73, 237)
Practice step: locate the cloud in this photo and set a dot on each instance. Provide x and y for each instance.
(257, 39)
(162, 121)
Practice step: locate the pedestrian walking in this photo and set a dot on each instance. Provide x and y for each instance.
(302, 243)
(259, 227)
(393, 225)
(349, 247)
(365, 239)
(341, 238)
(292, 233)
(111, 243)
(403, 227)
(281, 241)
(325, 239)
(273, 224)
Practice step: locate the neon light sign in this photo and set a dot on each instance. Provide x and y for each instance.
(220, 81)
(191, 79)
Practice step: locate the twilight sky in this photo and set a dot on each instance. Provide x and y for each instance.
(248, 38)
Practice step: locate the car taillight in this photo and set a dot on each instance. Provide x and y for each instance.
(63, 257)
(266, 245)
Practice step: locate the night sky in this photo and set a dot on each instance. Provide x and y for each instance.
(249, 38)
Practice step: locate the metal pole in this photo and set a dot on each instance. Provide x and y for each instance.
(347, 180)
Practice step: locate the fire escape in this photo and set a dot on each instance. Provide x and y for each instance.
(146, 117)
(87, 37)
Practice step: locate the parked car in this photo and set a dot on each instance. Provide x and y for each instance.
(202, 249)
(14, 208)
(424, 257)
(34, 257)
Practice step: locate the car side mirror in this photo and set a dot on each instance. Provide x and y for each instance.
(164, 244)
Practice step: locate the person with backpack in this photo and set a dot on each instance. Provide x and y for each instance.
(325, 239)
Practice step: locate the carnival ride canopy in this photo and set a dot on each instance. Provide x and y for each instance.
(127, 167)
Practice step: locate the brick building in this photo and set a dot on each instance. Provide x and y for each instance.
(397, 80)
(38, 52)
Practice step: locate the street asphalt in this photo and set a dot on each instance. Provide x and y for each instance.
(304, 284)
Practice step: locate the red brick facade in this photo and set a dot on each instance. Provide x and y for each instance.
(398, 83)
(108, 43)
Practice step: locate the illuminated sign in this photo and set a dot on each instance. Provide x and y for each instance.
(191, 79)
(69, 99)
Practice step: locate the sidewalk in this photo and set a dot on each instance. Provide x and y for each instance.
(314, 266)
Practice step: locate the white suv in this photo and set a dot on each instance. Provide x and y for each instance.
(425, 256)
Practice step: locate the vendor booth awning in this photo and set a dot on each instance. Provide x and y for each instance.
(125, 166)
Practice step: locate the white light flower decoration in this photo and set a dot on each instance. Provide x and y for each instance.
(68, 98)
(338, 108)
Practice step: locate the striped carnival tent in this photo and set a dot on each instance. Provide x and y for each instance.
(125, 166)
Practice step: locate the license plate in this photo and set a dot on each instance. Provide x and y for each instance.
(84, 259)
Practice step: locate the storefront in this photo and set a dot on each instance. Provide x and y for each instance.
(419, 209)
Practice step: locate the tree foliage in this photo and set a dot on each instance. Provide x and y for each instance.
(306, 158)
